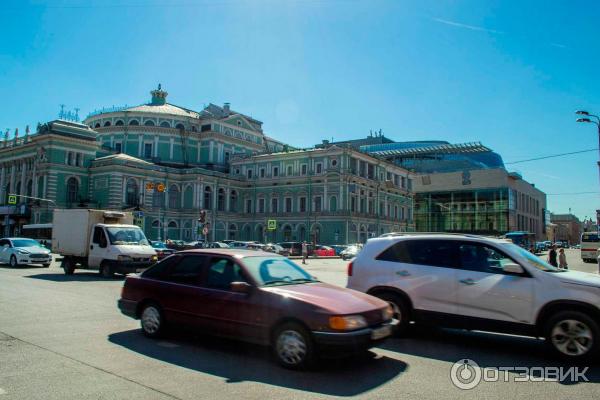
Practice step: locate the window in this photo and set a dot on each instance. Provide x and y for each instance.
(333, 203)
(205, 128)
(334, 163)
(221, 200)
(180, 127)
(99, 237)
(69, 158)
(437, 253)
(165, 124)
(318, 205)
(261, 205)
(303, 169)
(107, 123)
(118, 147)
(302, 206)
(319, 168)
(226, 157)
(147, 150)
(187, 271)
(158, 199)
(207, 198)
(274, 205)
(233, 201)
(174, 197)
(275, 171)
(131, 193)
(134, 122)
(288, 204)
(159, 270)
(249, 174)
(262, 172)
(481, 258)
(248, 206)
(290, 170)
(72, 190)
(149, 123)
(222, 272)
(119, 122)
(78, 159)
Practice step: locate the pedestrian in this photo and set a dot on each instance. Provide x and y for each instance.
(562, 259)
(304, 252)
(552, 256)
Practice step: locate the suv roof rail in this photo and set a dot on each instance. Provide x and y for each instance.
(394, 234)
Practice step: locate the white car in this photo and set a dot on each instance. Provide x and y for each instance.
(23, 251)
(479, 283)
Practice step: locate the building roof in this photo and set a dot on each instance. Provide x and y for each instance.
(166, 108)
(402, 149)
(123, 157)
(218, 112)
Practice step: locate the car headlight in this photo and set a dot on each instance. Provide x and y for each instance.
(22, 251)
(123, 258)
(347, 323)
(154, 258)
(387, 313)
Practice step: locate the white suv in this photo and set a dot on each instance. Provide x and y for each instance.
(479, 283)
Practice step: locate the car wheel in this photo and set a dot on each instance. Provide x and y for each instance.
(106, 271)
(572, 335)
(292, 346)
(151, 320)
(68, 267)
(401, 311)
(13, 261)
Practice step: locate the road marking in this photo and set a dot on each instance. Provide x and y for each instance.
(168, 345)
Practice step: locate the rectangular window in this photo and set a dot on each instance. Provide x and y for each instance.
(353, 204)
(249, 174)
(275, 171)
(147, 150)
(319, 168)
(226, 158)
(205, 128)
(118, 147)
(303, 169)
(318, 204)
(290, 170)
(248, 206)
(302, 204)
(288, 204)
(261, 205)
(262, 172)
(274, 205)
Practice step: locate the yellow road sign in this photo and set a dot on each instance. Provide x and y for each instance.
(272, 224)
(12, 199)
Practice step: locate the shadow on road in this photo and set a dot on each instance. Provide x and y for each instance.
(486, 349)
(76, 277)
(35, 266)
(238, 362)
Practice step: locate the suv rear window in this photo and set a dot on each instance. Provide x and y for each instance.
(438, 253)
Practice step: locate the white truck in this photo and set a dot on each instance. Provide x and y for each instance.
(100, 240)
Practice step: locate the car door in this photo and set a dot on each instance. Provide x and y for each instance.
(98, 247)
(179, 291)
(425, 270)
(229, 313)
(5, 251)
(486, 291)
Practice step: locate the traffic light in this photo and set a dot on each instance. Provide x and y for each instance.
(202, 218)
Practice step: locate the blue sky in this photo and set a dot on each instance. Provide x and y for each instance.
(508, 74)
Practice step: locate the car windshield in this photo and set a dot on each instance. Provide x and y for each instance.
(26, 243)
(159, 245)
(276, 271)
(532, 259)
(126, 235)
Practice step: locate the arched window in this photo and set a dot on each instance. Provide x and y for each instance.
(158, 199)
(72, 190)
(107, 123)
(97, 125)
(233, 201)
(40, 187)
(174, 197)
(18, 188)
(165, 124)
(30, 188)
(149, 123)
(132, 193)
(221, 200)
(287, 233)
(208, 198)
(180, 127)
(172, 224)
(302, 233)
(188, 197)
(119, 123)
(232, 231)
(134, 122)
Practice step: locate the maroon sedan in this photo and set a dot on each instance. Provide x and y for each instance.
(257, 297)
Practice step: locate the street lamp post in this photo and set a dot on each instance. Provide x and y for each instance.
(586, 118)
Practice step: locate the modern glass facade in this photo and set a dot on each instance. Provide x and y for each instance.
(484, 211)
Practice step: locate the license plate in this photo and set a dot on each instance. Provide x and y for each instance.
(382, 332)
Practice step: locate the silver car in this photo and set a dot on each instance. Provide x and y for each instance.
(23, 251)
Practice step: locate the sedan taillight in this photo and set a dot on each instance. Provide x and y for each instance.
(350, 268)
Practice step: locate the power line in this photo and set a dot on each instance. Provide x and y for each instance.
(570, 194)
(552, 156)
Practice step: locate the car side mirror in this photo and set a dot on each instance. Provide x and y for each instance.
(240, 287)
(513, 269)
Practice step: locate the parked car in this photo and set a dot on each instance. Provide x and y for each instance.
(216, 245)
(195, 244)
(480, 283)
(23, 251)
(161, 249)
(257, 297)
(240, 245)
(350, 251)
(324, 251)
(338, 248)
(275, 248)
(295, 248)
(175, 244)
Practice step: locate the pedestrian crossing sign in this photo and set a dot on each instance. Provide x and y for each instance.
(272, 224)
(12, 199)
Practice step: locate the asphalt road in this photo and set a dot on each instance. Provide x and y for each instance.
(62, 337)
